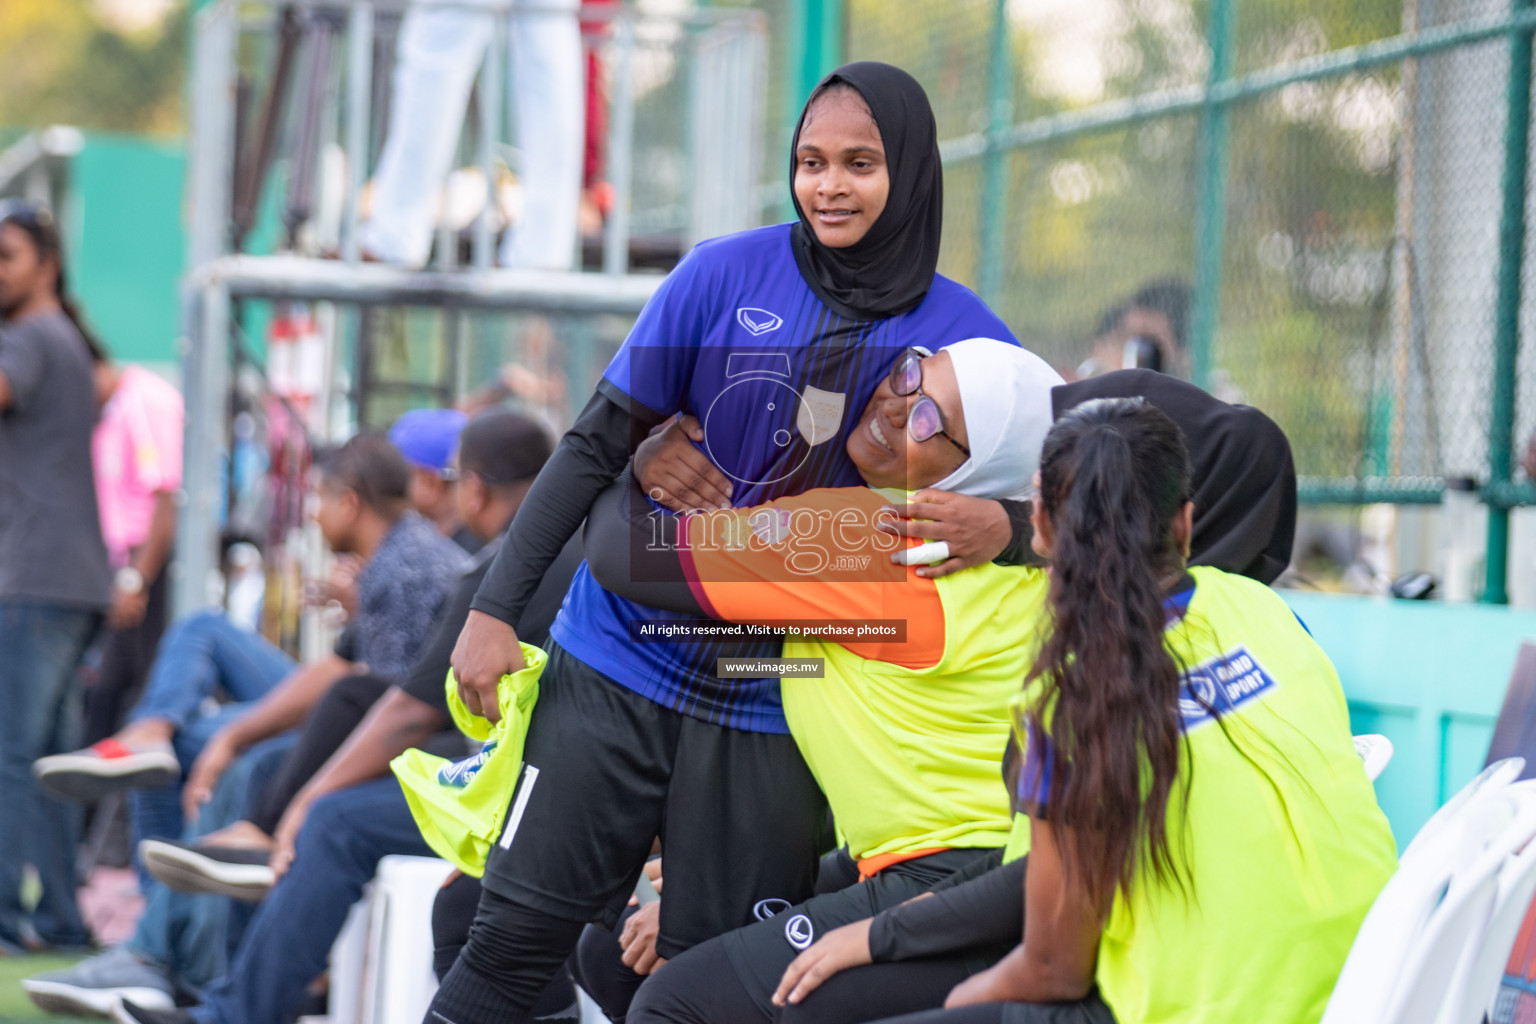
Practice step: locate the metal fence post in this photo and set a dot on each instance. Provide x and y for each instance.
(205, 312)
(1506, 332)
(492, 84)
(815, 47)
(359, 93)
(1211, 200)
(621, 148)
(991, 258)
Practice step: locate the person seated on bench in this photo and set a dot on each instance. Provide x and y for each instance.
(352, 814)
(408, 574)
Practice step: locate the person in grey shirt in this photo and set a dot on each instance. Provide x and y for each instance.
(54, 580)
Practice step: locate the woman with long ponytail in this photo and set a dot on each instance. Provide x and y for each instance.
(54, 577)
(1117, 523)
(1202, 841)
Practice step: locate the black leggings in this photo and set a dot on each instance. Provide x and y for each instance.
(126, 656)
(452, 914)
(1091, 1010)
(599, 969)
(881, 990)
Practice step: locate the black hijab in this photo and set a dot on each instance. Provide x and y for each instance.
(891, 268)
(1245, 482)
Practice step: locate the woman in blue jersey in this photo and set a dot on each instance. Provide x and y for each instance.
(1197, 821)
(771, 338)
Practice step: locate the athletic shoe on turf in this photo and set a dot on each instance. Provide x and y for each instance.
(129, 1012)
(108, 767)
(240, 872)
(93, 986)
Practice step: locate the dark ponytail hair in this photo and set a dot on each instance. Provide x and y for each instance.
(38, 223)
(1114, 474)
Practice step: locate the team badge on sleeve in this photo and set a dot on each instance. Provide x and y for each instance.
(1222, 685)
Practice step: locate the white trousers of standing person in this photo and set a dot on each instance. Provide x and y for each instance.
(438, 58)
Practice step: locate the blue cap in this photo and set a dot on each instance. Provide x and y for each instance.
(428, 437)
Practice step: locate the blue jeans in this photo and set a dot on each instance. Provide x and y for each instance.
(40, 647)
(200, 655)
(191, 934)
(286, 945)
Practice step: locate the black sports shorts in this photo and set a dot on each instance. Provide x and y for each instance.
(606, 771)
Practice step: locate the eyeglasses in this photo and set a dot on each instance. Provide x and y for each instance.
(924, 420)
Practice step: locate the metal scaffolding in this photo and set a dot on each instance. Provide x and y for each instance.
(725, 50)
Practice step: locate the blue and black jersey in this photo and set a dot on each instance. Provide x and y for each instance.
(735, 337)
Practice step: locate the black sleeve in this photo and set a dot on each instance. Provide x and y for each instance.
(533, 625)
(1018, 551)
(632, 550)
(589, 457)
(981, 910)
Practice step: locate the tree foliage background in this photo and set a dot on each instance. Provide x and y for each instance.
(63, 62)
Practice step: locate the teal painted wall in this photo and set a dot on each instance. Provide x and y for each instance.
(1430, 677)
(126, 246)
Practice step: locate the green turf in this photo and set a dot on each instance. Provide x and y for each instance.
(15, 1007)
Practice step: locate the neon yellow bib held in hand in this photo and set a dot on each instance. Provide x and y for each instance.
(459, 806)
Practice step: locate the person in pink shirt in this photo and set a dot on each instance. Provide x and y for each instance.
(136, 455)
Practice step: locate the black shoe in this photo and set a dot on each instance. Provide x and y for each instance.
(202, 867)
(129, 1012)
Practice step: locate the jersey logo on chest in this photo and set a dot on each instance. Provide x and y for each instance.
(758, 321)
(820, 415)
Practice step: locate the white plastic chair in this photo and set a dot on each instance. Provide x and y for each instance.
(381, 963)
(400, 939)
(1412, 950)
(349, 963)
(1479, 985)
(1495, 776)
(1376, 751)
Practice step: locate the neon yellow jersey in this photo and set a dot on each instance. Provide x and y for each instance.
(908, 756)
(1283, 843)
(903, 736)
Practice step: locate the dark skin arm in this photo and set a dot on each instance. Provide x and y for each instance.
(6, 394)
(678, 475)
(394, 725)
(281, 709)
(149, 560)
(1062, 927)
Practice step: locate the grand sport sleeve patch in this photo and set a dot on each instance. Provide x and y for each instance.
(1221, 685)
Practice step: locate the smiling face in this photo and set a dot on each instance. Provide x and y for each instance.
(883, 450)
(841, 178)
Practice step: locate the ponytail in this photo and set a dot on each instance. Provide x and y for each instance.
(72, 310)
(1114, 475)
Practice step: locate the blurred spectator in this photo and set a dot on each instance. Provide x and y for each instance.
(332, 799)
(437, 60)
(408, 571)
(55, 584)
(427, 438)
(136, 452)
(1147, 331)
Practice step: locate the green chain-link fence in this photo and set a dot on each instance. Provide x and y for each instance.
(1324, 177)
